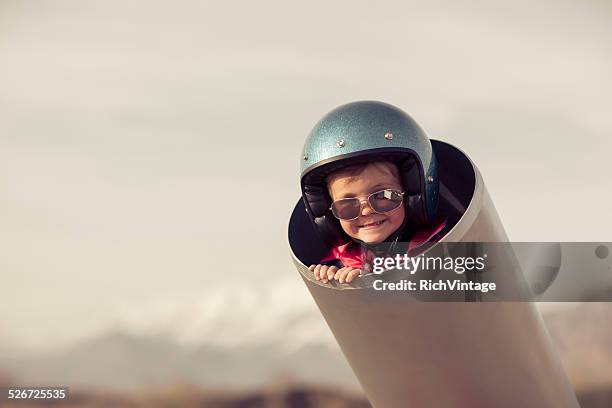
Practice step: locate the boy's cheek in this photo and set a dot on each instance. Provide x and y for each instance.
(349, 227)
(345, 225)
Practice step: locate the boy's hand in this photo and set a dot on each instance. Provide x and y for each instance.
(326, 273)
(323, 272)
(347, 274)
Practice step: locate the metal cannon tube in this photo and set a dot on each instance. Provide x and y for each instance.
(411, 353)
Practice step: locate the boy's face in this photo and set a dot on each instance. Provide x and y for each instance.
(369, 227)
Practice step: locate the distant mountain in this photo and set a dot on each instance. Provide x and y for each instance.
(233, 336)
(124, 362)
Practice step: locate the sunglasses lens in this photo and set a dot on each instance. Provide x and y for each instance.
(346, 209)
(385, 200)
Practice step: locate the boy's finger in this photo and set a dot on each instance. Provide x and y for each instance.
(317, 269)
(344, 274)
(323, 271)
(311, 268)
(352, 275)
(331, 272)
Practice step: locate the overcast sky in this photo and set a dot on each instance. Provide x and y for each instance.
(150, 150)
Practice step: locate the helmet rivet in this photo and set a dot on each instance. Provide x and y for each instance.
(305, 157)
(389, 136)
(430, 179)
(340, 143)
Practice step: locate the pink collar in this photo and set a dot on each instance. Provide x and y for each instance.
(353, 255)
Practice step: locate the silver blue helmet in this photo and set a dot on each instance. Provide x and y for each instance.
(362, 132)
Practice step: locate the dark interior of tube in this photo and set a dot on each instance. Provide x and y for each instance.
(457, 183)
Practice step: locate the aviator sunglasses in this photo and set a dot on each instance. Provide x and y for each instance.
(381, 202)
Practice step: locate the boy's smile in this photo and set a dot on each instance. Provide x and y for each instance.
(372, 225)
(369, 227)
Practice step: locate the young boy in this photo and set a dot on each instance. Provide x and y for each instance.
(369, 181)
(368, 202)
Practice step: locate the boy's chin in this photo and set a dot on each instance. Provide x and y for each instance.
(373, 239)
(374, 242)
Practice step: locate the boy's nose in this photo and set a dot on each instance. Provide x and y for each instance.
(366, 209)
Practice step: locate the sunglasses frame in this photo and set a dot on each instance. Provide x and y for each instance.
(401, 193)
